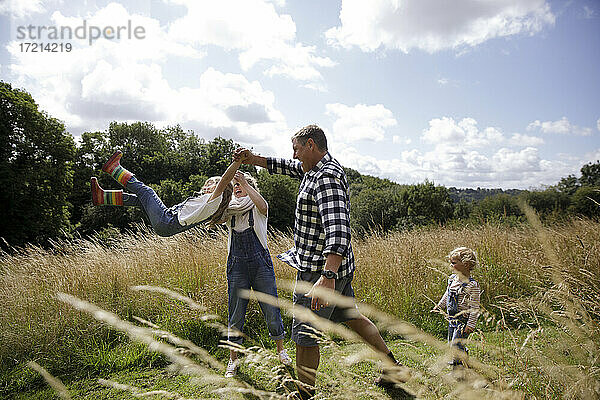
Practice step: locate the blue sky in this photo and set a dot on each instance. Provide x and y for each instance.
(468, 93)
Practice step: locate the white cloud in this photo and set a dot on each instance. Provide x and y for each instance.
(562, 126)
(401, 140)
(462, 155)
(504, 168)
(511, 162)
(598, 124)
(227, 101)
(446, 132)
(518, 139)
(361, 122)
(431, 25)
(278, 3)
(256, 30)
(93, 83)
(20, 8)
(592, 157)
(124, 80)
(588, 13)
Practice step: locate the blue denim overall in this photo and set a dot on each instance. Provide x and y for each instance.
(249, 265)
(456, 323)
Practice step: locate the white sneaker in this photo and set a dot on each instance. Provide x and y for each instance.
(285, 358)
(231, 370)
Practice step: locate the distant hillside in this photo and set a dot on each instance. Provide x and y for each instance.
(359, 181)
(470, 195)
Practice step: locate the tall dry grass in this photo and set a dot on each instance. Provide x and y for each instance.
(538, 336)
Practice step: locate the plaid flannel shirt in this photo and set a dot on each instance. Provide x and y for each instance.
(322, 223)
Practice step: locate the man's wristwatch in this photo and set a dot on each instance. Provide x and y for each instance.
(329, 274)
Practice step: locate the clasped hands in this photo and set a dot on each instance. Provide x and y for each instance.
(242, 154)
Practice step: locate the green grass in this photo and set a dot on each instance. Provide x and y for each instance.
(537, 338)
(132, 364)
(427, 381)
(146, 379)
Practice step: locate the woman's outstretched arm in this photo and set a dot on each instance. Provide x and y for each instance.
(225, 179)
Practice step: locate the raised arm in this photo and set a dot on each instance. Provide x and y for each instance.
(255, 196)
(225, 179)
(273, 165)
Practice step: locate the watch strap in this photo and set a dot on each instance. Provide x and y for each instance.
(329, 274)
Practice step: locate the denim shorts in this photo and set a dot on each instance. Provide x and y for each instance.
(302, 332)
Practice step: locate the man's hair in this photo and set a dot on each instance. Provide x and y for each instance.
(312, 132)
(465, 255)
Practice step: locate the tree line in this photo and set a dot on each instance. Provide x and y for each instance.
(45, 175)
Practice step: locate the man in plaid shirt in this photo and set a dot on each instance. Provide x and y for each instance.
(323, 253)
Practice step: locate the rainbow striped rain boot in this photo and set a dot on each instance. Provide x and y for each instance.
(114, 168)
(101, 197)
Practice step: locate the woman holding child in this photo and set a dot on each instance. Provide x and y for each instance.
(249, 263)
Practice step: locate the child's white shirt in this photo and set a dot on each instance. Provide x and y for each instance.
(197, 209)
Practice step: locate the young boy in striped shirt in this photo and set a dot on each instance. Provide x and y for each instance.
(461, 300)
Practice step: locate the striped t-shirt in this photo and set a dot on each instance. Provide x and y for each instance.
(468, 299)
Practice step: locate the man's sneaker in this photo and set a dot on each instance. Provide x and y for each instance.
(231, 370)
(285, 358)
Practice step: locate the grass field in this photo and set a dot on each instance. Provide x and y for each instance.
(74, 311)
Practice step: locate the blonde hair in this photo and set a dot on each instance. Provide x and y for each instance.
(218, 215)
(465, 255)
(216, 179)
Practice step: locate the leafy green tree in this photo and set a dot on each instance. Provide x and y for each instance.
(498, 208)
(547, 201)
(590, 174)
(568, 185)
(359, 182)
(586, 201)
(382, 204)
(216, 156)
(85, 166)
(354, 177)
(426, 203)
(375, 208)
(36, 157)
(463, 209)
